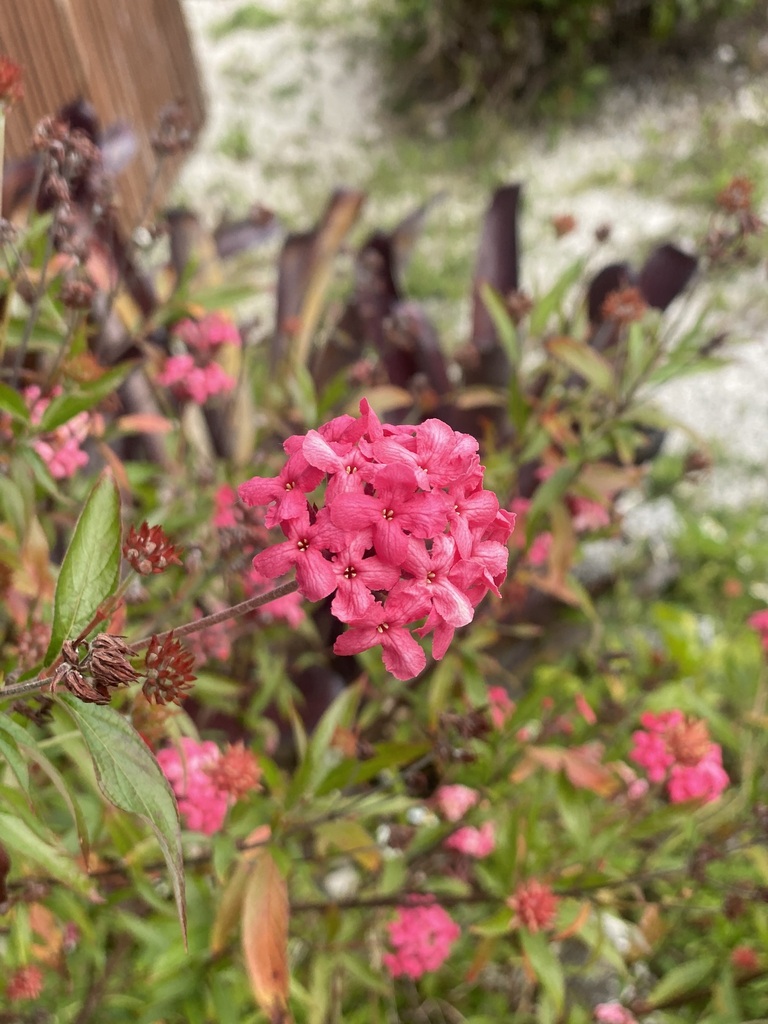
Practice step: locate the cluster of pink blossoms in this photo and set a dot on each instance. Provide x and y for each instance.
(453, 802)
(679, 750)
(194, 375)
(421, 939)
(206, 781)
(60, 448)
(407, 532)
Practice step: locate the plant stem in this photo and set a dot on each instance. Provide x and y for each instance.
(31, 686)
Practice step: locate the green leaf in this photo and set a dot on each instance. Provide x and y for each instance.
(131, 779)
(27, 746)
(248, 18)
(90, 568)
(16, 762)
(682, 979)
(502, 321)
(316, 762)
(19, 838)
(550, 492)
(12, 403)
(65, 407)
(553, 299)
(585, 361)
(546, 966)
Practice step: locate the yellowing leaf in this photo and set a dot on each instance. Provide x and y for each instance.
(265, 937)
(348, 837)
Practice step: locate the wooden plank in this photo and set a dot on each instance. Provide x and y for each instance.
(129, 59)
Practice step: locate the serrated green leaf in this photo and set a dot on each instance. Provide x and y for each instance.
(64, 407)
(682, 979)
(19, 838)
(131, 779)
(546, 966)
(12, 403)
(585, 361)
(90, 568)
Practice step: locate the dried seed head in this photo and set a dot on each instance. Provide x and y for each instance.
(519, 304)
(77, 294)
(625, 306)
(108, 662)
(24, 983)
(564, 224)
(173, 134)
(48, 136)
(736, 197)
(85, 689)
(236, 772)
(11, 87)
(689, 742)
(55, 189)
(168, 671)
(148, 550)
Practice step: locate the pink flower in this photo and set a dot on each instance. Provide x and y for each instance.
(406, 535)
(209, 333)
(59, 448)
(703, 781)
(501, 704)
(650, 752)
(473, 842)
(538, 552)
(202, 805)
(421, 938)
(759, 622)
(613, 1013)
(191, 382)
(587, 516)
(454, 801)
(534, 904)
(224, 517)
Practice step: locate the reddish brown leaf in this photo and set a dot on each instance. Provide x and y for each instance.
(265, 937)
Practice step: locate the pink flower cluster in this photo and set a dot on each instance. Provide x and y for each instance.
(194, 375)
(206, 781)
(453, 802)
(201, 803)
(534, 905)
(421, 938)
(677, 750)
(407, 532)
(60, 448)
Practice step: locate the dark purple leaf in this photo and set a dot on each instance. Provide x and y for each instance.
(497, 263)
(237, 236)
(665, 274)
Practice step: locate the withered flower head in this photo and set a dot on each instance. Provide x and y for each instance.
(689, 742)
(519, 304)
(148, 549)
(736, 197)
(85, 689)
(108, 663)
(24, 983)
(564, 224)
(173, 134)
(236, 772)
(48, 135)
(11, 87)
(168, 671)
(625, 306)
(77, 294)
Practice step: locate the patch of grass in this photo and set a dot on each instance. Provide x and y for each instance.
(236, 143)
(249, 18)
